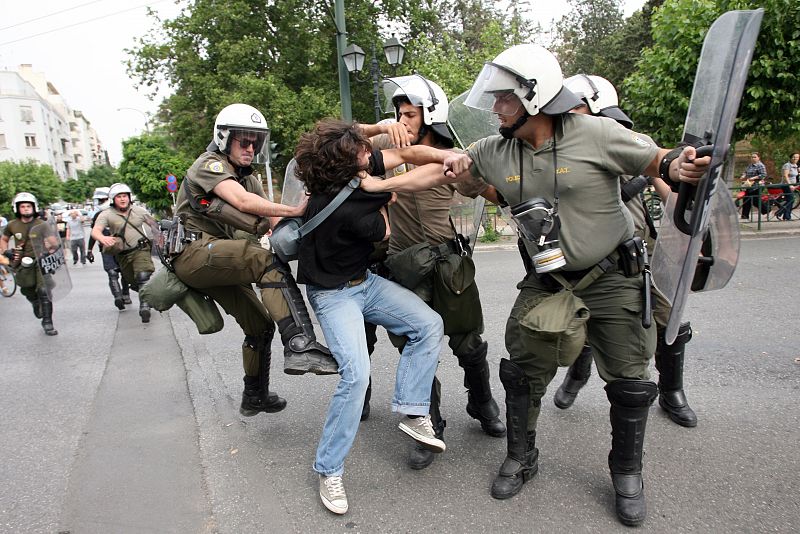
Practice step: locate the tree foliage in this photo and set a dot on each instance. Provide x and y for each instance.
(280, 56)
(582, 35)
(657, 94)
(79, 190)
(29, 176)
(146, 162)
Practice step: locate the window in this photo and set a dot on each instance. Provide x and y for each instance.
(3, 141)
(30, 140)
(26, 113)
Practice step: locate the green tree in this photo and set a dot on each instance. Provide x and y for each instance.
(146, 162)
(29, 176)
(280, 56)
(658, 93)
(581, 35)
(80, 189)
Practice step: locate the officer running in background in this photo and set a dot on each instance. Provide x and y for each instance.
(219, 196)
(126, 222)
(600, 98)
(29, 276)
(120, 289)
(421, 109)
(559, 171)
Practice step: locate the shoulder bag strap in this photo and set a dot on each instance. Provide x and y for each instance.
(330, 208)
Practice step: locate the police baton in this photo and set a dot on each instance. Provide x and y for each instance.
(647, 278)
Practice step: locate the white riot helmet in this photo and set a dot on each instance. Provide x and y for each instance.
(237, 120)
(118, 189)
(528, 71)
(25, 197)
(101, 193)
(423, 93)
(599, 95)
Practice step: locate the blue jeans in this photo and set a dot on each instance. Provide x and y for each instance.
(341, 313)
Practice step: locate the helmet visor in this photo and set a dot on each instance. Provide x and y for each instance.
(258, 139)
(413, 88)
(493, 91)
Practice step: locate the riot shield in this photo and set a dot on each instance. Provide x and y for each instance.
(293, 189)
(470, 124)
(719, 83)
(49, 250)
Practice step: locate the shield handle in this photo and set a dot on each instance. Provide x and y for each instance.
(687, 192)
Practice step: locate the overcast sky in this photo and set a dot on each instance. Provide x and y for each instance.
(78, 45)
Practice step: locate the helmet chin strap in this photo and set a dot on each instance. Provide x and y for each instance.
(508, 131)
(423, 131)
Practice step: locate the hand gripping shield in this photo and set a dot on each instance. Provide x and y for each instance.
(49, 250)
(719, 83)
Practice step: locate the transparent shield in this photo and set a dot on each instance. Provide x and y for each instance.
(470, 124)
(49, 250)
(719, 84)
(293, 189)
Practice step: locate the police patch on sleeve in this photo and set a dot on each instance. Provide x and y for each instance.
(639, 141)
(215, 166)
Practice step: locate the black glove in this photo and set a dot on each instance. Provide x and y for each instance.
(90, 256)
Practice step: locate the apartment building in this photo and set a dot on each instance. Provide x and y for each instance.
(36, 123)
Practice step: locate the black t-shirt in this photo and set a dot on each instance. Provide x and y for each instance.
(338, 250)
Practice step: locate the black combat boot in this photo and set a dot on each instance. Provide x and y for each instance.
(46, 307)
(577, 376)
(144, 307)
(630, 403)
(126, 291)
(367, 396)
(480, 404)
(37, 308)
(116, 290)
(420, 457)
(669, 362)
(522, 458)
(301, 351)
(256, 396)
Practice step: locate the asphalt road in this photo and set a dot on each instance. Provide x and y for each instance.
(114, 426)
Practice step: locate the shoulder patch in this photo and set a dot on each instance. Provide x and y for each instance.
(215, 166)
(639, 141)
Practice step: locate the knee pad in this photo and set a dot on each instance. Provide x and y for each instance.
(513, 376)
(631, 393)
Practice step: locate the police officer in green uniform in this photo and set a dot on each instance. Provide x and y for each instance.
(29, 276)
(600, 98)
(421, 109)
(127, 224)
(559, 171)
(218, 200)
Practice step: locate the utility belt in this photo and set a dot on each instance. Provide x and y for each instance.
(630, 258)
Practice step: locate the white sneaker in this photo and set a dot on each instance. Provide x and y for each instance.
(421, 429)
(331, 491)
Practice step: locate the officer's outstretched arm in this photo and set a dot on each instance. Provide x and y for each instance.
(237, 196)
(417, 179)
(416, 155)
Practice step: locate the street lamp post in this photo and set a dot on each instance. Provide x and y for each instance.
(146, 118)
(354, 57)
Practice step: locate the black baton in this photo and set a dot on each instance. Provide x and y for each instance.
(647, 311)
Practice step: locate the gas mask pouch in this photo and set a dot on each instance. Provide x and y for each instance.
(556, 327)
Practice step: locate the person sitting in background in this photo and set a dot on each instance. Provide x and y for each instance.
(788, 181)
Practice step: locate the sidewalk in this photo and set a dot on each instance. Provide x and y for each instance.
(748, 230)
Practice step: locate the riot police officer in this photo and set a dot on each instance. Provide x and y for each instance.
(421, 108)
(120, 289)
(218, 197)
(600, 98)
(29, 276)
(129, 242)
(559, 172)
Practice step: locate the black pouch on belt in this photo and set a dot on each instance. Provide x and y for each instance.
(631, 256)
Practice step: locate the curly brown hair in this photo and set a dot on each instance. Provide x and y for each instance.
(327, 156)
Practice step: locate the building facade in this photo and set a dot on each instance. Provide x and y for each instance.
(37, 124)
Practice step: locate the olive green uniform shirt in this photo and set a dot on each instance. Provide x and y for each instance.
(593, 218)
(206, 172)
(17, 226)
(115, 221)
(425, 215)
